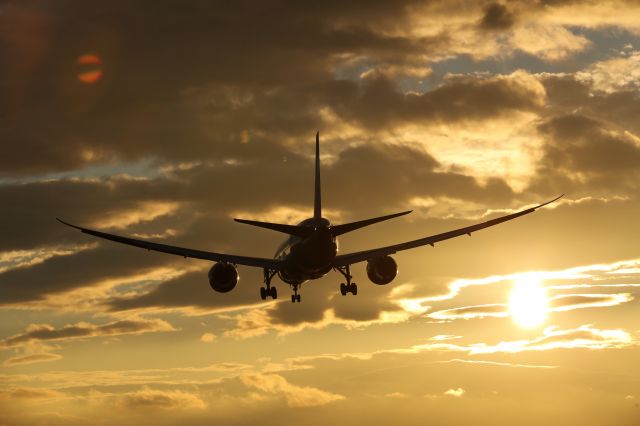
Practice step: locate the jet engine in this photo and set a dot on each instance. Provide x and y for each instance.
(382, 270)
(223, 277)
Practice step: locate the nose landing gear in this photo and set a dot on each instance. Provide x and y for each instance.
(295, 297)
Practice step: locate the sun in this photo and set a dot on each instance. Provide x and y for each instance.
(528, 304)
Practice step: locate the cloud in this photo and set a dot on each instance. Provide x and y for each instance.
(260, 321)
(29, 393)
(458, 393)
(585, 337)
(497, 17)
(549, 42)
(296, 396)
(558, 303)
(153, 399)
(459, 98)
(31, 359)
(499, 364)
(469, 312)
(208, 337)
(613, 75)
(576, 301)
(46, 332)
(27, 258)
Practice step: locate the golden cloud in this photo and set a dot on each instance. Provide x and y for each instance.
(296, 396)
(585, 336)
(31, 359)
(29, 393)
(142, 212)
(559, 303)
(455, 392)
(613, 75)
(152, 399)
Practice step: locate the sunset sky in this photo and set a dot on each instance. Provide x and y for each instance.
(167, 119)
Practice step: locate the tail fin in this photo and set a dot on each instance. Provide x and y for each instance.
(317, 202)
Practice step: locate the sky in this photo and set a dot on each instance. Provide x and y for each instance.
(166, 120)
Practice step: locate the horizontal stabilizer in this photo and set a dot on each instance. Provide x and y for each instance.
(348, 227)
(298, 231)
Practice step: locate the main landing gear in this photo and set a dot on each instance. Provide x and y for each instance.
(349, 287)
(268, 291)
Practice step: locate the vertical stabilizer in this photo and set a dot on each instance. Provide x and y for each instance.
(317, 202)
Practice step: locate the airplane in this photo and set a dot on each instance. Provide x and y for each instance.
(311, 250)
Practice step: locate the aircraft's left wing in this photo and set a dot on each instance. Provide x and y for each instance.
(361, 256)
(181, 251)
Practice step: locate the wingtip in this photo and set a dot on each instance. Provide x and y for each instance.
(67, 223)
(549, 202)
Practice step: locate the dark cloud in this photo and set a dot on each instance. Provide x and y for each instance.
(183, 82)
(190, 290)
(376, 102)
(86, 268)
(582, 153)
(152, 55)
(497, 17)
(45, 332)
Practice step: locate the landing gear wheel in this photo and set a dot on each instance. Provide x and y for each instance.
(343, 289)
(263, 293)
(293, 298)
(297, 298)
(273, 293)
(354, 289)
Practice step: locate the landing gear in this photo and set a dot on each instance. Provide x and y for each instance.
(268, 291)
(295, 297)
(349, 287)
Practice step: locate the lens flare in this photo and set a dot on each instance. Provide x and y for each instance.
(90, 71)
(528, 303)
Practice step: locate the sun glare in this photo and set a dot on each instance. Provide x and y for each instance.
(528, 302)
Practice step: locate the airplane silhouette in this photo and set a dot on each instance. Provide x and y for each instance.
(310, 252)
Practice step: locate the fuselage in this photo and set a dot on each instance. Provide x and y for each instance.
(308, 258)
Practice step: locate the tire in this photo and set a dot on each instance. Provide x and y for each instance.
(354, 289)
(263, 293)
(298, 298)
(293, 298)
(343, 289)
(273, 293)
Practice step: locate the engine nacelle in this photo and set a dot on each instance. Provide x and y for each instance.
(223, 277)
(382, 270)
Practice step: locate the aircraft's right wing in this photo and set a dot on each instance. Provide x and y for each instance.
(181, 251)
(361, 256)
